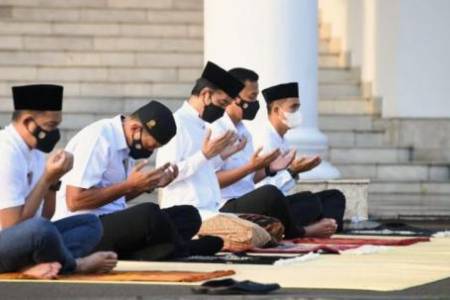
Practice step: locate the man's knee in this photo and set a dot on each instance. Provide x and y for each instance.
(185, 216)
(336, 197)
(271, 193)
(192, 212)
(147, 208)
(93, 222)
(41, 230)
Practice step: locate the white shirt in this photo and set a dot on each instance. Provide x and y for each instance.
(101, 159)
(196, 184)
(20, 169)
(246, 184)
(268, 138)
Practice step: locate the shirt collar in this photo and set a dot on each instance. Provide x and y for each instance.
(229, 123)
(24, 148)
(119, 134)
(190, 111)
(275, 133)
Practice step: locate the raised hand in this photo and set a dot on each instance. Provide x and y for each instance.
(169, 175)
(283, 161)
(259, 161)
(305, 164)
(59, 163)
(233, 148)
(212, 147)
(143, 181)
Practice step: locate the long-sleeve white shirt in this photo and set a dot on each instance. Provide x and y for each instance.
(246, 184)
(196, 183)
(268, 138)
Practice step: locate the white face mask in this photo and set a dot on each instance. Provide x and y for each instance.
(293, 119)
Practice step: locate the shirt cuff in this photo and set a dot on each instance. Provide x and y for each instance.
(217, 162)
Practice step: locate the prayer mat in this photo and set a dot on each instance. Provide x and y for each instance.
(138, 276)
(295, 248)
(231, 258)
(334, 241)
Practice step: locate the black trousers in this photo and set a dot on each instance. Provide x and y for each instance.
(267, 200)
(310, 207)
(139, 231)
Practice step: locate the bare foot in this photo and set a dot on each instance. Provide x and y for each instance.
(323, 228)
(98, 262)
(43, 271)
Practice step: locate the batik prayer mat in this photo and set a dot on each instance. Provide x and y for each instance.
(137, 276)
(231, 258)
(334, 241)
(286, 247)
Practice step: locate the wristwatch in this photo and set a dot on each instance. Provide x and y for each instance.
(294, 175)
(269, 172)
(55, 187)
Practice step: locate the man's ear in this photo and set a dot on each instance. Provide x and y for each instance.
(205, 95)
(26, 119)
(275, 109)
(135, 125)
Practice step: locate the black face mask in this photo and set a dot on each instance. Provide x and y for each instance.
(249, 109)
(212, 112)
(46, 140)
(137, 150)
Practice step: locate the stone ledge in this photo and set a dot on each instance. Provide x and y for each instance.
(355, 191)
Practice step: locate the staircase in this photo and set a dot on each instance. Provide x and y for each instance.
(111, 55)
(114, 55)
(362, 145)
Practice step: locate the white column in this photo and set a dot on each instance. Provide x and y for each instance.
(277, 39)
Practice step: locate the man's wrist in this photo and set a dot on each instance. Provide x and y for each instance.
(294, 174)
(55, 186)
(49, 179)
(269, 172)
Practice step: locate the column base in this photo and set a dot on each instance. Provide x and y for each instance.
(310, 141)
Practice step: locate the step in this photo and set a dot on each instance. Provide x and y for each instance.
(155, 4)
(404, 172)
(352, 155)
(104, 105)
(345, 122)
(100, 44)
(105, 15)
(98, 74)
(155, 82)
(330, 75)
(349, 107)
(96, 59)
(407, 205)
(330, 46)
(100, 29)
(56, 3)
(117, 90)
(355, 138)
(70, 120)
(333, 60)
(332, 90)
(410, 187)
(324, 31)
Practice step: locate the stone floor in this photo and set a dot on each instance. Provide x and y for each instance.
(435, 290)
